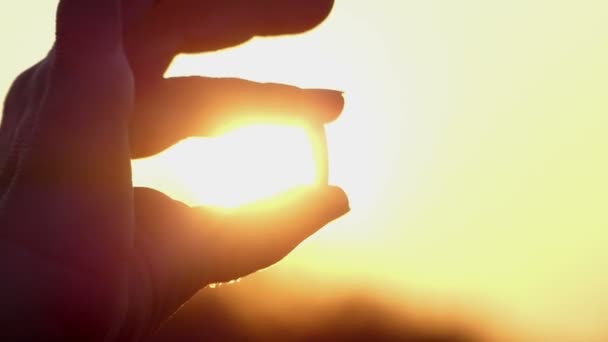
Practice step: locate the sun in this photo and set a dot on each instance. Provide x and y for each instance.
(233, 169)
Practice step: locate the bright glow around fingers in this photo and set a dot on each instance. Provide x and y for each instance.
(240, 167)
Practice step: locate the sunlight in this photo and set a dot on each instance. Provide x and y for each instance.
(239, 167)
(472, 147)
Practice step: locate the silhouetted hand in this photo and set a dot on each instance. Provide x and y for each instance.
(83, 255)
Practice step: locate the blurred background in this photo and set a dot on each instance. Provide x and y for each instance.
(473, 148)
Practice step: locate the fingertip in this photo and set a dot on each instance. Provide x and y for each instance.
(337, 199)
(321, 203)
(328, 103)
(294, 16)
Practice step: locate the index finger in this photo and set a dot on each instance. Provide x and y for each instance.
(203, 106)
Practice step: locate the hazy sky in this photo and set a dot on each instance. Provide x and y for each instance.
(473, 147)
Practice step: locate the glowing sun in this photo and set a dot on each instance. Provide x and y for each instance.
(241, 166)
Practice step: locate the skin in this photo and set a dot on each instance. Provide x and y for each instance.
(84, 255)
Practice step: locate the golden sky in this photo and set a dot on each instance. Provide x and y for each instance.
(473, 147)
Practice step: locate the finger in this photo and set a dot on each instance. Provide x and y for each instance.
(189, 248)
(200, 106)
(277, 17)
(229, 23)
(191, 26)
(259, 235)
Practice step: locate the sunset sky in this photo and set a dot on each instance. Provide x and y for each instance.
(473, 146)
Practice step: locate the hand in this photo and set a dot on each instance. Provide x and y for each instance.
(85, 256)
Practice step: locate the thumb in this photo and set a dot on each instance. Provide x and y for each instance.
(259, 235)
(200, 246)
(88, 28)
